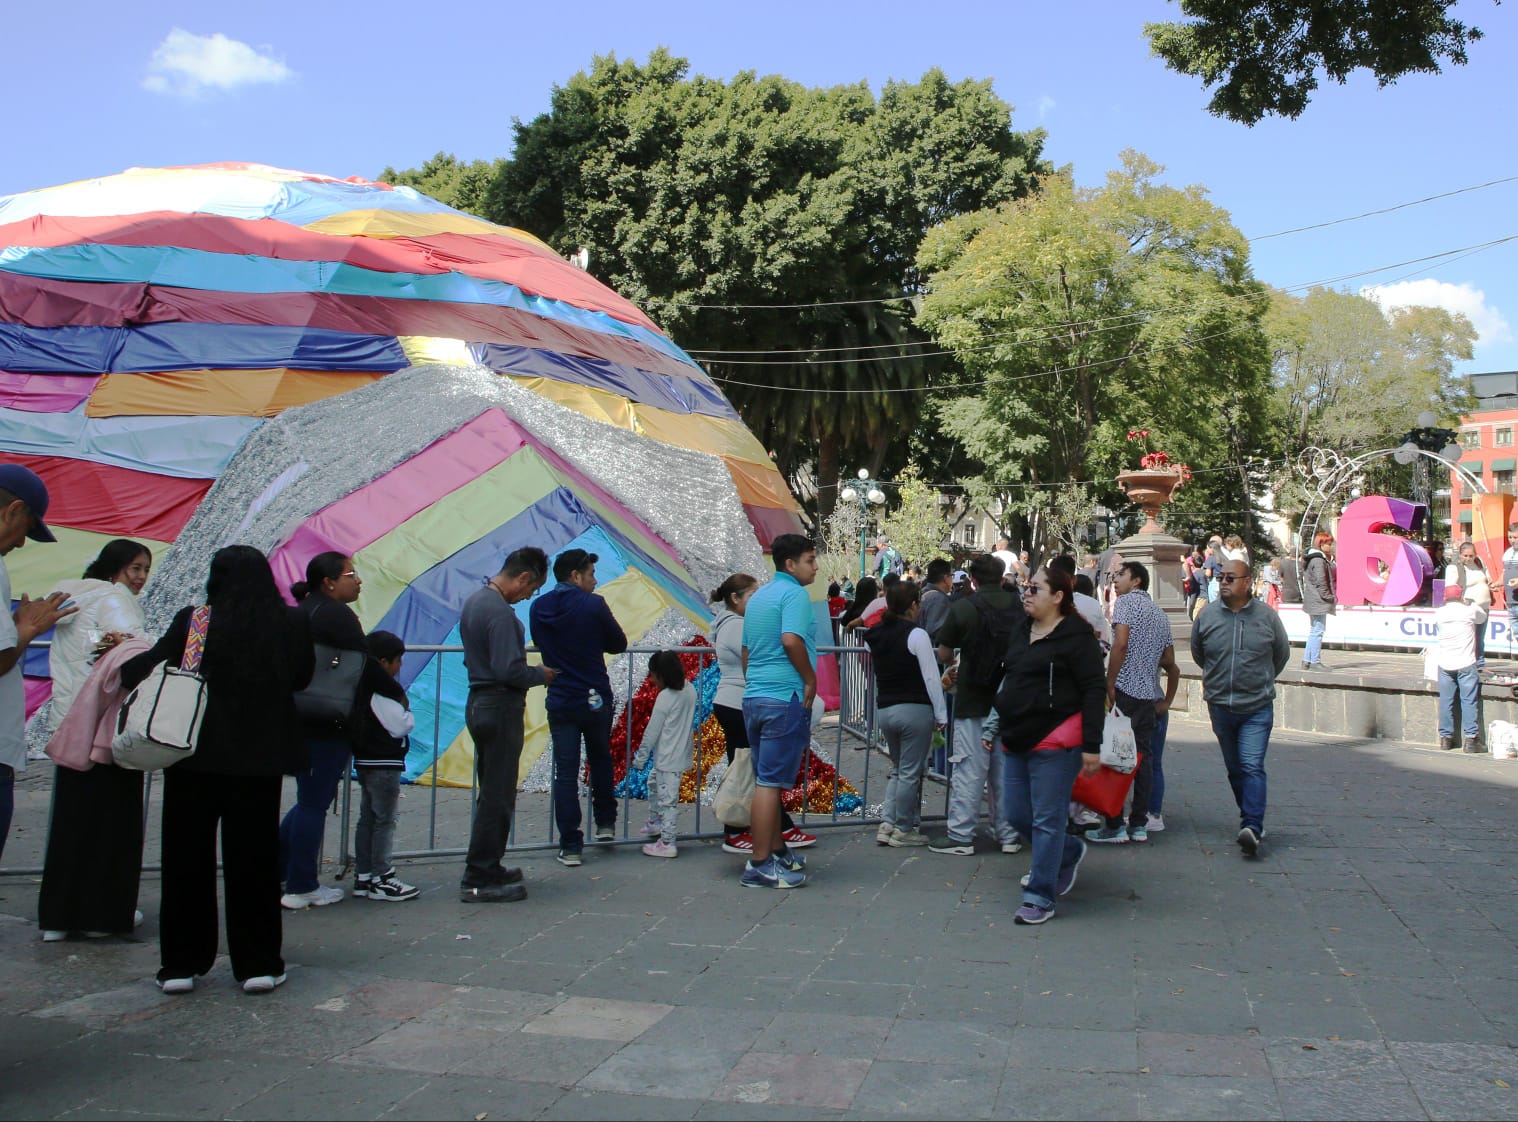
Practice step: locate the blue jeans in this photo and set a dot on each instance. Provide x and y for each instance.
(7, 802)
(1157, 754)
(1468, 682)
(1314, 651)
(1037, 788)
(300, 834)
(566, 727)
(778, 735)
(1244, 739)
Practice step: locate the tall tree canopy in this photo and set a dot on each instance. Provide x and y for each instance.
(715, 203)
(1079, 314)
(1264, 56)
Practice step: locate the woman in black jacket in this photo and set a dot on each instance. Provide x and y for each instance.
(1051, 710)
(257, 655)
(331, 584)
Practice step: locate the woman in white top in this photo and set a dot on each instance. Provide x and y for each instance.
(727, 636)
(1475, 584)
(94, 841)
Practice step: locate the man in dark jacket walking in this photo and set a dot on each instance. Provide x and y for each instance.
(575, 631)
(1241, 646)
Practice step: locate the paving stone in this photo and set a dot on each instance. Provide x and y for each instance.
(482, 1007)
(1349, 1099)
(764, 1078)
(534, 1058)
(1075, 1049)
(329, 1091)
(1322, 1058)
(819, 995)
(927, 1090)
(1076, 1095)
(418, 1046)
(1456, 1097)
(646, 1069)
(598, 1018)
(1165, 1053)
(595, 1106)
(824, 1034)
(958, 1042)
(1186, 1097)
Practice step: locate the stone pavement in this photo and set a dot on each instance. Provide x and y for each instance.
(1365, 967)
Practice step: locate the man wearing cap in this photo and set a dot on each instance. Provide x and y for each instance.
(575, 631)
(23, 506)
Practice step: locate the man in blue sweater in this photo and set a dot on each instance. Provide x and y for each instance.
(575, 631)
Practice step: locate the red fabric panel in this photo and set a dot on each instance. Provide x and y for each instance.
(770, 523)
(39, 302)
(490, 257)
(115, 500)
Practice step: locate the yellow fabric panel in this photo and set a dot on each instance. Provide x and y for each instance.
(218, 393)
(719, 435)
(442, 529)
(375, 223)
(760, 486)
(422, 349)
(637, 603)
(36, 568)
(599, 405)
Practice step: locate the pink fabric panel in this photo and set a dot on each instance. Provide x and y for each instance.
(45, 393)
(38, 690)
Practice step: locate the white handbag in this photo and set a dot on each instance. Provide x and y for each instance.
(160, 720)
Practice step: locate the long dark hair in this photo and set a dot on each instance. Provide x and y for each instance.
(114, 556)
(324, 566)
(665, 668)
(1063, 583)
(864, 594)
(247, 614)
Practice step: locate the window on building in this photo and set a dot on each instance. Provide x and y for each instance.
(1502, 438)
(1470, 439)
(1503, 481)
(967, 535)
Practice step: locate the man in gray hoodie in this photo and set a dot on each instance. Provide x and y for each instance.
(1241, 646)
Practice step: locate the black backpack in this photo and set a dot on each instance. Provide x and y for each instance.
(982, 656)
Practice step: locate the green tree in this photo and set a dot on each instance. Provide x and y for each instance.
(916, 526)
(1078, 314)
(1264, 56)
(444, 178)
(711, 202)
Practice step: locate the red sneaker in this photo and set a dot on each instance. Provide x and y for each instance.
(796, 838)
(739, 843)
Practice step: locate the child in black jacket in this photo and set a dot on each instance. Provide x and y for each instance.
(380, 756)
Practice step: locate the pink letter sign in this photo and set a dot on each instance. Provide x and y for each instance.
(1362, 549)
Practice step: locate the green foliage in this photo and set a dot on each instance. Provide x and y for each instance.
(694, 194)
(459, 185)
(1089, 312)
(916, 527)
(1264, 56)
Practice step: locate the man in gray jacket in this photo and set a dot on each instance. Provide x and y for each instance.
(1241, 646)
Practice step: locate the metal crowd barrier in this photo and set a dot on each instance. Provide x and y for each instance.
(856, 722)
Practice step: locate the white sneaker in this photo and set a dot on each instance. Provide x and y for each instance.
(320, 897)
(176, 985)
(54, 936)
(1013, 846)
(883, 835)
(263, 983)
(1156, 823)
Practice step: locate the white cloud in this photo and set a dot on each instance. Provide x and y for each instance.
(1045, 105)
(1490, 324)
(186, 65)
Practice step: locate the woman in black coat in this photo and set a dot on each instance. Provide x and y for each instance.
(1052, 707)
(257, 655)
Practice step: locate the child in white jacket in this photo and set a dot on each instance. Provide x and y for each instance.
(668, 739)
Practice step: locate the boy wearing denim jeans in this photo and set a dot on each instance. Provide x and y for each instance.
(380, 758)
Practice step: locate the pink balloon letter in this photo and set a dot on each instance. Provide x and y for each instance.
(1361, 547)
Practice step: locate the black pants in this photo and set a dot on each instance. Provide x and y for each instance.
(246, 808)
(94, 851)
(735, 734)
(494, 719)
(1143, 716)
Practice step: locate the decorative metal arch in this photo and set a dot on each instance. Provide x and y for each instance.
(1331, 473)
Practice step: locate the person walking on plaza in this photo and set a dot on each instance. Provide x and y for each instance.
(1459, 622)
(667, 741)
(1050, 713)
(574, 630)
(909, 706)
(495, 657)
(1142, 646)
(780, 668)
(1475, 584)
(978, 628)
(1319, 596)
(257, 655)
(23, 506)
(331, 585)
(727, 637)
(88, 887)
(1241, 646)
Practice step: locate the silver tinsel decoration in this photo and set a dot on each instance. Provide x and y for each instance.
(309, 457)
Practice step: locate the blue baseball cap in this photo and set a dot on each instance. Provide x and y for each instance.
(27, 486)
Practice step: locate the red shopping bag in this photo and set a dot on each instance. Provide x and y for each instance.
(1106, 791)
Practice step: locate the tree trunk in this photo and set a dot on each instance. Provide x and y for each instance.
(827, 475)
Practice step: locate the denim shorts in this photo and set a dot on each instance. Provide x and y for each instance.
(778, 735)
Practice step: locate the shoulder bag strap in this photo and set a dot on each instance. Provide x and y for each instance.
(195, 639)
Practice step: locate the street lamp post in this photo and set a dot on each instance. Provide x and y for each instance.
(1427, 437)
(866, 492)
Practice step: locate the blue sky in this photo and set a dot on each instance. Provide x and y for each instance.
(96, 87)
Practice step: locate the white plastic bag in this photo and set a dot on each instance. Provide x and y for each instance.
(1431, 662)
(1502, 740)
(735, 794)
(1119, 749)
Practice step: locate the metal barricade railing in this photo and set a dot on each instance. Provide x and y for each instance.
(856, 720)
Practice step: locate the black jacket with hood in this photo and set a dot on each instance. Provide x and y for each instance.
(1052, 679)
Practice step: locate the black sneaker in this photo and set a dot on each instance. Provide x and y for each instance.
(505, 875)
(571, 857)
(492, 893)
(1249, 841)
(389, 887)
(361, 886)
(606, 833)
